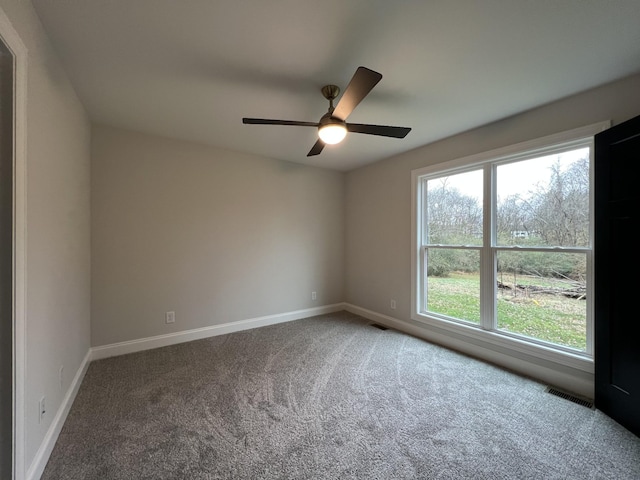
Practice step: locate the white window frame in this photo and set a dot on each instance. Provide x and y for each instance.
(500, 340)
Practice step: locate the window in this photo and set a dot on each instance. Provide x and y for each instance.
(503, 245)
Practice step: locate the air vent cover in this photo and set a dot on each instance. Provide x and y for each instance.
(378, 326)
(572, 398)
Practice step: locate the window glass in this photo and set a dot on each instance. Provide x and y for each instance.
(544, 201)
(454, 209)
(542, 295)
(453, 283)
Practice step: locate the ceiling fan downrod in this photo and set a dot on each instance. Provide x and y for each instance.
(331, 130)
(331, 92)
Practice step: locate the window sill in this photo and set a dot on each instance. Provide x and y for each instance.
(510, 345)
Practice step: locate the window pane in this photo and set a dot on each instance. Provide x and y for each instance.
(542, 295)
(454, 209)
(544, 201)
(453, 283)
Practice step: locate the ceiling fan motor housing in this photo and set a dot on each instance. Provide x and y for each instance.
(328, 119)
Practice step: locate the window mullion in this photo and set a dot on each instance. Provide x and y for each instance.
(487, 254)
(423, 279)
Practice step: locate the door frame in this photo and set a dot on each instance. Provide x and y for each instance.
(12, 40)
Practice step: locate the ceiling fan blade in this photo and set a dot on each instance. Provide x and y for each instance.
(316, 149)
(267, 121)
(381, 130)
(359, 87)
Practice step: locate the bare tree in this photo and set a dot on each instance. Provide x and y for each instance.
(453, 218)
(561, 209)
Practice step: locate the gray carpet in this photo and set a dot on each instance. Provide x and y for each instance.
(328, 397)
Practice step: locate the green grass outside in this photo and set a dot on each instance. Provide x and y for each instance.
(553, 318)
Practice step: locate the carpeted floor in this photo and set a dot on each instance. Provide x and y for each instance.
(329, 397)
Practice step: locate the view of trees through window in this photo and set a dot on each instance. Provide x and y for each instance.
(538, 246)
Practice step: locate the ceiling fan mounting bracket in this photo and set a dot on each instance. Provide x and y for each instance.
(330, 92)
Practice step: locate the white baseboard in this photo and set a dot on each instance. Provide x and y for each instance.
(148, 343)
(561, 376)
(41, 458)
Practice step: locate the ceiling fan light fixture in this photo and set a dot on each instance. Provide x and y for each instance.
(332, 133)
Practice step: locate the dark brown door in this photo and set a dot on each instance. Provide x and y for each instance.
(6, 261)
(617, 273)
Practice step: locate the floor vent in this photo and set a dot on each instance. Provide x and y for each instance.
(378, 326)
(571, 398)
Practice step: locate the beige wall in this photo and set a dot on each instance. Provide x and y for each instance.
(58, 222)
(213, 235)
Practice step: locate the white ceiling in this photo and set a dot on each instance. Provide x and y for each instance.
(191, 69)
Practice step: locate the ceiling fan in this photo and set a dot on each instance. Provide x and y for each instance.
(332, 127)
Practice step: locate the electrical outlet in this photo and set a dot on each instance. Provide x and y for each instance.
(393, 304)
(313, 295)
(42, 409)
(61, 376)
(170, 317)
